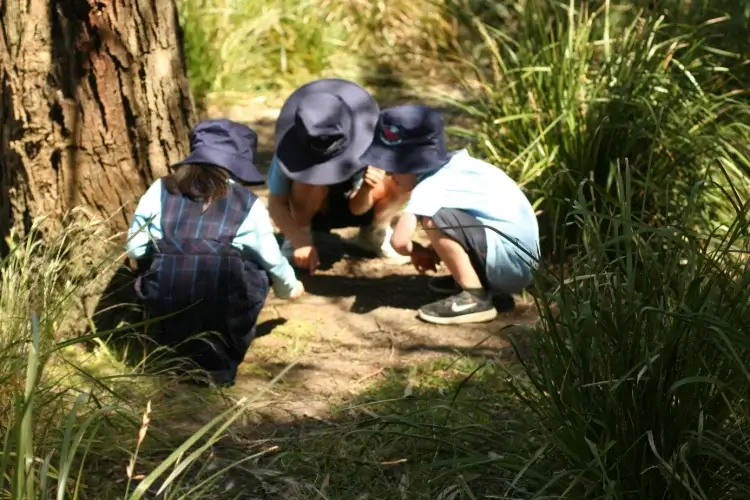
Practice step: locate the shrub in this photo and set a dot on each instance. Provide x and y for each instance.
(568, 98)
(638, 376)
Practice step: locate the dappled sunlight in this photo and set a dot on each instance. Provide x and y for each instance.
(621, 373)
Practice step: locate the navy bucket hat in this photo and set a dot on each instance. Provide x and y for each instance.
(323, 129)
(225, 144)
(408, 139)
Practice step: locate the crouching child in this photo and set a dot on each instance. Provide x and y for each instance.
(477, 219)
(207, 253)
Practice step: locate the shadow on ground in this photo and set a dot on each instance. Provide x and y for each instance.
(408, 399)
(398, 291)
(420, 422)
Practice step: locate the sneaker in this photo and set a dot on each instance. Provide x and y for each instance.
(444, 284)
(378, 241)
(456, 309)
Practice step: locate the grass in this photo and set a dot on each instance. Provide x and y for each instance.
(79, 425)
(407, 435)
(639, 381)
(242, 46)
(646, 314)
(573, 92)
(633, 384)
(628, 128)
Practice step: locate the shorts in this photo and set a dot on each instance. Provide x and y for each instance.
(500, 266)
(455, 223)
(336, 214)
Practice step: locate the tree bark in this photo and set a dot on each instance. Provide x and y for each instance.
(94, 105)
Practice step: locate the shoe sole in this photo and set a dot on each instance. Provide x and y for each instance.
(478, 317)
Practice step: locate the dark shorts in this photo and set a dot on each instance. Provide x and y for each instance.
(455, 224)
(336, 214)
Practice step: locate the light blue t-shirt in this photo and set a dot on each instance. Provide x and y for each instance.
(255, 238)
(495, 200)
(281, 185)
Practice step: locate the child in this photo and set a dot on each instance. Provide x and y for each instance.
(453, 196)
(206, 247)
(316, 180)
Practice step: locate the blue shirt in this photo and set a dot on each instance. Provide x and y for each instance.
(255, 238)
(495, 200)
(281, 185)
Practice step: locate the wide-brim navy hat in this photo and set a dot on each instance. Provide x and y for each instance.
(323, 129)
(408, 139)
(225, 144)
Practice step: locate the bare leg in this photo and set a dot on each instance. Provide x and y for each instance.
(306, 201)
(454, 256)
(388, 202)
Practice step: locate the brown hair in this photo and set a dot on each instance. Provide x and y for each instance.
(198, 182)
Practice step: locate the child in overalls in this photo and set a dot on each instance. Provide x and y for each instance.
(206, 249)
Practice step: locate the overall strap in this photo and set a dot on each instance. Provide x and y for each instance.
(186, 219)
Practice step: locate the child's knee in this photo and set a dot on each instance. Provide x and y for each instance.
(427, 222)
(389, 196)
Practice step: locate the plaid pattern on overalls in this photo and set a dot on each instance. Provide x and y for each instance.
(197, 271)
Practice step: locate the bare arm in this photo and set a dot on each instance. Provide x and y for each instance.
(371, 186)
(278, 209)
(361, 200)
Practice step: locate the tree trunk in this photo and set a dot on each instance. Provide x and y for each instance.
(94, 105)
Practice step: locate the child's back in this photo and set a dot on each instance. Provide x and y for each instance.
(484, 191)
(208, 247)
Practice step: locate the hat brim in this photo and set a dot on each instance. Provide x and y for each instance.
(404, 160)
(248, 174)
(294, 161)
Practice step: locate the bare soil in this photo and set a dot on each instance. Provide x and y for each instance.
(358, 318)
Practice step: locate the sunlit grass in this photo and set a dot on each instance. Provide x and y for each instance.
(574, 91)
(79, 424)
(630, 132)
(246, 46)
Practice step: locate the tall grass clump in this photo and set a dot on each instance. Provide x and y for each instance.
(239, 46)
(575, 91)
(638, 368)
(68, 430)
(724, 41)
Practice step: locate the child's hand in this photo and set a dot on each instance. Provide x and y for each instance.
(374, 177)
(424, 259)
(299, 290)
(307, 258)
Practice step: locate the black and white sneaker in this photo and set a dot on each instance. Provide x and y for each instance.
(447, 285)
(461, 308)
(444, 284)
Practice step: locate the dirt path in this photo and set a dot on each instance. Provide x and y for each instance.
(357, 320)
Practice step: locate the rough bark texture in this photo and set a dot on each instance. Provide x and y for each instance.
(94, 105)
